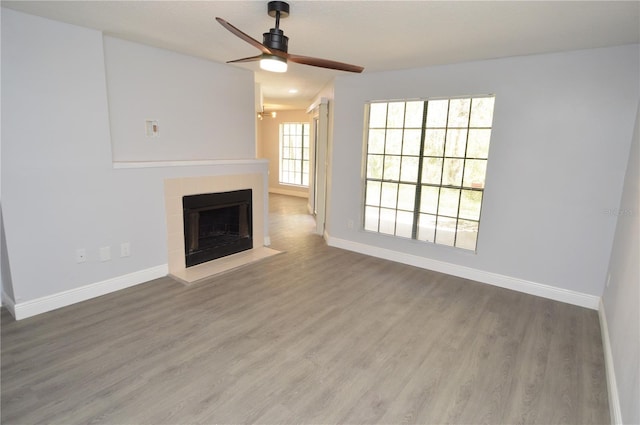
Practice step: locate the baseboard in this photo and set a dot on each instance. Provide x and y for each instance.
(8, 303)
(508, 282)
(83, 293)
(288, 192)
(612, 386)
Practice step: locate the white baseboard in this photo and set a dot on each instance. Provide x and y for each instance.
(8, 303)
(508, 282)
(83, 293)
(612, 386)
(299, 194)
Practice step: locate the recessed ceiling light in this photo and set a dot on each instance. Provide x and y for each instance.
(293, 91)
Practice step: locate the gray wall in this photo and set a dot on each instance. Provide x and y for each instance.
(60, 191)
(561, 135)
(202, 107)
(621, 297)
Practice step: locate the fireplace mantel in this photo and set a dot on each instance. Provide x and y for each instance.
(186, 163)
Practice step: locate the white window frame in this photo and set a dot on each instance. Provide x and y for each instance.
(424, 170)
(293, 158)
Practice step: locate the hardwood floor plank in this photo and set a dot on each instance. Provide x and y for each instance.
(313, 335)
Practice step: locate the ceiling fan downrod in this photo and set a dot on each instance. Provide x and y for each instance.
(275, 38)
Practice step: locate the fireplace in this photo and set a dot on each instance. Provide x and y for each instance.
(217, 225)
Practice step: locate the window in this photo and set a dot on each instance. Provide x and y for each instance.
(425, 168)
(294, 153)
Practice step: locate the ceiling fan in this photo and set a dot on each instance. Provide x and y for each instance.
(274, 55)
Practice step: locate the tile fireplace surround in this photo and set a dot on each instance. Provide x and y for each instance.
(175, 189)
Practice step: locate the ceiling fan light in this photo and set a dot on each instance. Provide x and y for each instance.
(273, 63)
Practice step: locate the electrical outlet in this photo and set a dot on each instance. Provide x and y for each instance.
(81, 255)
(125, 249)
(105, 253)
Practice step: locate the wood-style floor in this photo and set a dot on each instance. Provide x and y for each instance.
(313, 335)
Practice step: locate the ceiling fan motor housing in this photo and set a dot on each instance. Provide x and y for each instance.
(275, 39)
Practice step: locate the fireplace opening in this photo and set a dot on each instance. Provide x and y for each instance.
(216, 225)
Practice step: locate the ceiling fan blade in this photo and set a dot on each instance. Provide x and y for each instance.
(255, 43)
(250, 59)
(324, 63)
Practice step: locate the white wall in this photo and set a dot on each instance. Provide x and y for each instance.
(620, 298)
(201, 106)
(60, 191)
(561, 136)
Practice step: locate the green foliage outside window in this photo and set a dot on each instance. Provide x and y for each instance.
(426, 164)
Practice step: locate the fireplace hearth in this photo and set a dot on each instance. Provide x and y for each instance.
(217, 225)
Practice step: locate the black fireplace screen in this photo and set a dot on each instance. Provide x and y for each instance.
(216, 225)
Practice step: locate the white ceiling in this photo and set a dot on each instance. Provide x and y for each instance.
(379, 35)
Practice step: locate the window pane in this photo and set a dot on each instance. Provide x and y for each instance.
(413, 118)
(409, 169)
(294, 153)
(406, 197)
(437, 113)
(478, 146)
(376, 141)
(446, 231)
(374, 167)
(448, 140)
(373, 193)
(432, 171)
(452, 173)
(448, 204)
(391, 168)
(404, 224)
(429, 199)
(434, 142)
(456, 143)
(395, 115)
(459, 112)
(482, 112)
(389, 197)
(377, 115)
(467, 234)
(411, 143)
(387, 221)
(470, 202)
(393, 144)
(474, 173)
(426, 227)
(371, 216)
